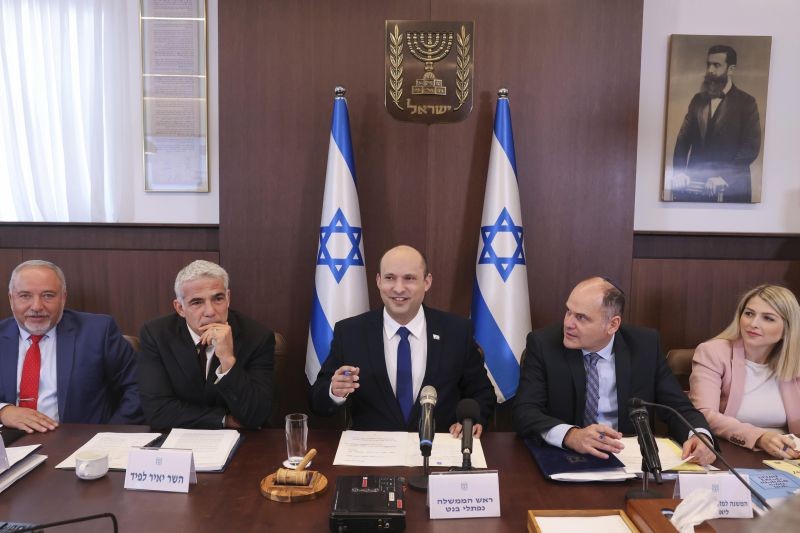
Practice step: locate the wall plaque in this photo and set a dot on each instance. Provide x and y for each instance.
(429, 70)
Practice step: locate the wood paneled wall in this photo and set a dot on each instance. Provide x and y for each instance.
(572, 69)
(125, 271)
(687, 286)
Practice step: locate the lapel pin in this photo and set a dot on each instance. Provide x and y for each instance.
(436, 336)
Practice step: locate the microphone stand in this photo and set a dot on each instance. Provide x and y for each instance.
(645, 493)
(420, 483)
(705, 440)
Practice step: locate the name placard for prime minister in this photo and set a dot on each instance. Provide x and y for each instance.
(429, 66)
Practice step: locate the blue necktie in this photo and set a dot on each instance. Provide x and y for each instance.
(592, 388)
(404, 382)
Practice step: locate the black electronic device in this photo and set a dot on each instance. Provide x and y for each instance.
(368, 503)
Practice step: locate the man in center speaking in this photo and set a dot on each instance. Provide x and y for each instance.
(380, 360)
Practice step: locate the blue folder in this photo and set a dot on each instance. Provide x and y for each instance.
(552, 460)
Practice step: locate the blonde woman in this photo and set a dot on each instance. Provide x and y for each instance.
(746, 380)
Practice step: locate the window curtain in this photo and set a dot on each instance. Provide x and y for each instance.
(70, 92)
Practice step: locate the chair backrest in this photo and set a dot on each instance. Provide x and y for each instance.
(679, 361)
(133, 341)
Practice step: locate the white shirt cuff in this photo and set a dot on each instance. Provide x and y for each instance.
(555, 435)
(338, 400)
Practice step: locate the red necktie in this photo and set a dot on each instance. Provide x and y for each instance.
(29, 383)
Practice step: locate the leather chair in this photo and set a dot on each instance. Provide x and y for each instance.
(679, 361)
(133, 341)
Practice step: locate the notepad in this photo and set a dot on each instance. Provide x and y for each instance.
(212, 448)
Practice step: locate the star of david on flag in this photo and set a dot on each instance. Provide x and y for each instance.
(340, 281)
(488, 255)
(501, 313)
(339, 265)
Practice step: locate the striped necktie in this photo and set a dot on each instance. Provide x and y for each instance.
(592, 388)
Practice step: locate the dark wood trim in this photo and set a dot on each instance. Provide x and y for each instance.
(64, 236)
(648, 245)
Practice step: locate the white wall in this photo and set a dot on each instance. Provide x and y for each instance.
(143, 207)
(779, 210)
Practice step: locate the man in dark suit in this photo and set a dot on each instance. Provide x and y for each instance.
(206, 366)
(576, 379)
(719, 138)
(380, 360)
(59, 365)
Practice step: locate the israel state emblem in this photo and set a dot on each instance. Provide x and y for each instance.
(429, 70)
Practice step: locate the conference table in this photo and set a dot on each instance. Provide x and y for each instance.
(231, 501)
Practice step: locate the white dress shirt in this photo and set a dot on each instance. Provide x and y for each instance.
(48, 378)
(417, 340)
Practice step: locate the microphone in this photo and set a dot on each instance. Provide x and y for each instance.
(427, 424)
(467, 411)
(638, 402)
(647, 443)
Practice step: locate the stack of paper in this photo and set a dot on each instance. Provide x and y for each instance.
(211, 448)
(398, 448)
(668, 452)
(115, 445)
(21, 460)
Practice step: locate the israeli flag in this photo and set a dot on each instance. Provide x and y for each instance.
(340, 288)
(501, 313)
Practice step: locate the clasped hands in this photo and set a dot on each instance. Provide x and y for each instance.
(600, 440)
(345, 382)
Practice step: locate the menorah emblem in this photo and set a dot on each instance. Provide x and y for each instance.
(429, 47)
(414, 92)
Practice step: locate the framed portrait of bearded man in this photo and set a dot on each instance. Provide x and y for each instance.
(716, 109)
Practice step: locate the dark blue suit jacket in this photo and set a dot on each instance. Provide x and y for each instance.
(95, 370)
(454, 367)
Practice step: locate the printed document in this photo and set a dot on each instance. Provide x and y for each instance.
(116, 445)
(398, 448)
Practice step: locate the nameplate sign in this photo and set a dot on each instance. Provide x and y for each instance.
(464, 494)
(733, 498)
(160, 469)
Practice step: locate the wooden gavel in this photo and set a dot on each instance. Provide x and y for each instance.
(299, 476)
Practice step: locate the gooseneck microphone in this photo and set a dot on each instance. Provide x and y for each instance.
(427, 429)
(467, 411)
(637, 402)
(647, 443)
(427, 424)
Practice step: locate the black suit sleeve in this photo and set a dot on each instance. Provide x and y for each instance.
(163, 408)
(531, 410)
(321, 402)
(247, 387)
(474, 382)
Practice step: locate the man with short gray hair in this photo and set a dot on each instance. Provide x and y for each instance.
(59, 365)
(206, 366)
